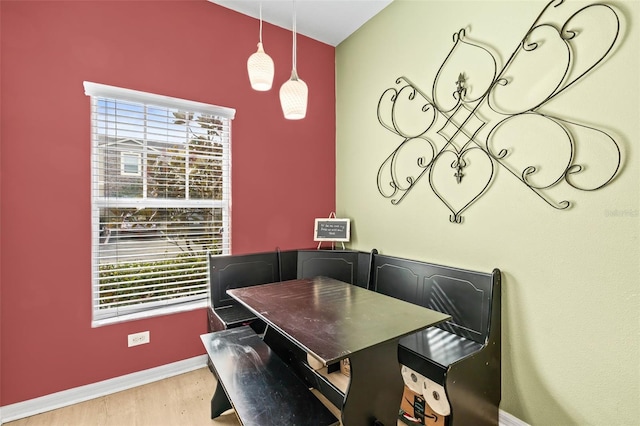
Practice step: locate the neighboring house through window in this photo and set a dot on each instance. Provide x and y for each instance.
(161, 189)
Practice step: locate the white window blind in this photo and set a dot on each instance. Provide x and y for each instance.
(161, 187)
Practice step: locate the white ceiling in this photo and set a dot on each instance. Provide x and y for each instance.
(328, 21)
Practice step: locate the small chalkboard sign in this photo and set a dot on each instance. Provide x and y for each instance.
(332, 230)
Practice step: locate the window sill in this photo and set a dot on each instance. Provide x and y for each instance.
(200, 304)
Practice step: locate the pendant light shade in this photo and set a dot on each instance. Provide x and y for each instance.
(294, 92)
(261, 69)
(260, 66)
(293, 98)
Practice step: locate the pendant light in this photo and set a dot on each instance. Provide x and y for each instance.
(294, 92)
(260, 66)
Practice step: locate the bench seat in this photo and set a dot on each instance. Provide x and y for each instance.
(234, 315)
(432, 350)
(258, 384)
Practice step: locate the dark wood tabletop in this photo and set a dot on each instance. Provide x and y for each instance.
(331, 319)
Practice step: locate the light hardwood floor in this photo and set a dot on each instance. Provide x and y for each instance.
(182, 400)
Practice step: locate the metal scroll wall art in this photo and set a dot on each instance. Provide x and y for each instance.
(481, 118)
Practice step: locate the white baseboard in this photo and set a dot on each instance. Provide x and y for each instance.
(84, 393)
(506, 419)
(95, 390)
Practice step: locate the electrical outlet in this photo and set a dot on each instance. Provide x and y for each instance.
(138, 338)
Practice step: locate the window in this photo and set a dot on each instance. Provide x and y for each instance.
(160, 200)
(130, 164)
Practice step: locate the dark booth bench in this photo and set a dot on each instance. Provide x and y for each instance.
(258, 385)
(463, 354)
(227, 272)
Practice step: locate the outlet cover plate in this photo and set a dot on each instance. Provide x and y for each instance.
(138, 338)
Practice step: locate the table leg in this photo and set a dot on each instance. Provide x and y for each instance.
(375, 389)
(220, 402)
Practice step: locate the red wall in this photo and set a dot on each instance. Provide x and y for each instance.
(283, 171)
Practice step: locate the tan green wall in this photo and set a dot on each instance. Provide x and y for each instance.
(571, 325)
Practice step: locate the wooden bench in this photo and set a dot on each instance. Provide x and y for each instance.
(464, 354)
(234, 271)
(259, 386)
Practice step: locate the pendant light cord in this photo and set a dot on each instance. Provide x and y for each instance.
(294, 37)
(260, 22)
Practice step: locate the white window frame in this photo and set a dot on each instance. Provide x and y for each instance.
(149, 309)
(123, 163)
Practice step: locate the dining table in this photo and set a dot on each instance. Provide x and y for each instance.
(332, 320)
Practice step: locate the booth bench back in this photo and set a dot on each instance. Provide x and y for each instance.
(465, 295)
(227, 272)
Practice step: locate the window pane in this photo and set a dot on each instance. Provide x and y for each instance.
(130, 164)
(155, 252)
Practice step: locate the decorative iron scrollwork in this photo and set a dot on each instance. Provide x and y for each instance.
(490, 117)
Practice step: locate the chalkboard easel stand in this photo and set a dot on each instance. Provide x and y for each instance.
(333, 245)
(332, 230)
